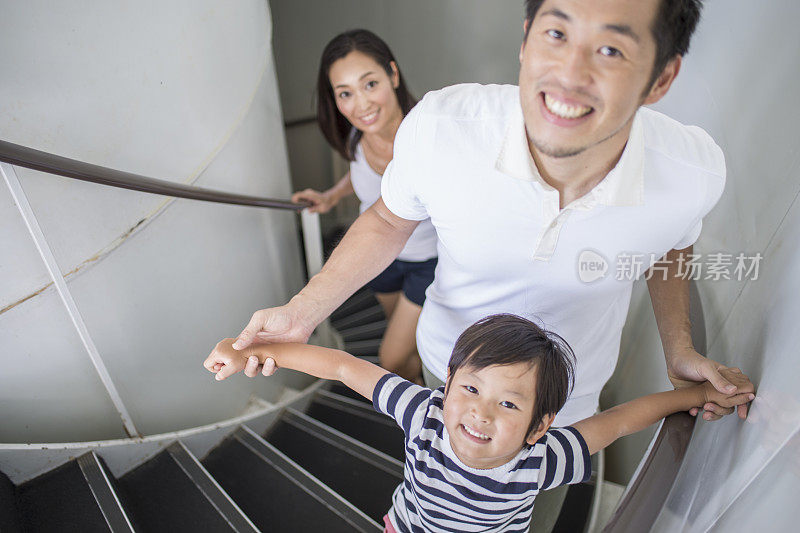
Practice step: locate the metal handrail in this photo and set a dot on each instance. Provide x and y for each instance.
(23, 156)
(12, 155)
(652, 482)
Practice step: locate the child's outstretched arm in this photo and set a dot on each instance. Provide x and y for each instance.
(604, 428)
(326, 363)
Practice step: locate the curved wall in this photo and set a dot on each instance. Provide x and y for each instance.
(736, 83)
(176, 90)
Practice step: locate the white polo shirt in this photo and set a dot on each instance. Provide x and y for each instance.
(421, 246)
(461, 158)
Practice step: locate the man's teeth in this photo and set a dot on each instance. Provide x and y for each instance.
(475, 433)
(563, 110)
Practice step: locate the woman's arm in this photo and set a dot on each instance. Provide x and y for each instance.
(326, 363)
(322, 202)
(604, 428)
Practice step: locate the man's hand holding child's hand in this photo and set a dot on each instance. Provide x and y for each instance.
(744, 390)
(225, 361)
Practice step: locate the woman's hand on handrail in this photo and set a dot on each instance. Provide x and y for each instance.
(321, 202)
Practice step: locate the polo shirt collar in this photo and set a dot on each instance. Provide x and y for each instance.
(623, 186)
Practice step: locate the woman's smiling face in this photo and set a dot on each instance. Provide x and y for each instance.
(364, 93)
(487, 413)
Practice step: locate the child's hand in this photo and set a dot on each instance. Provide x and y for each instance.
(744, 389)
(224, 360)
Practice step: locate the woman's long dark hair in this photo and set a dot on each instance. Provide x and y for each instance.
(334, 126)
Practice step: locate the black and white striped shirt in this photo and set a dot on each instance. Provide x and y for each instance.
(440, 493)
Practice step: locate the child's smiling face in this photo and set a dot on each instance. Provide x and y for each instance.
(487, 413)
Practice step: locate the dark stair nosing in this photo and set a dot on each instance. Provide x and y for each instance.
(60, 500)
(358, 302)
(352, 472)
(366, 348)
(103, 492)
(374, 330)
(310, 484)
(344, 442)
(359, 420)
(337, 387)
(365, 316)
(9, 513)
(351, 405)
(160, 496)
(209, 487)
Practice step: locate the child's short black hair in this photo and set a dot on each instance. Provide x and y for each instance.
(507, 339)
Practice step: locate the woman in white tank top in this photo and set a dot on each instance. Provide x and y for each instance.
(361, 100)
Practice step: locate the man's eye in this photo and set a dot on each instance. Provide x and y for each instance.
(610, 51)
(470, 389)
(555, 34)
(508, 405)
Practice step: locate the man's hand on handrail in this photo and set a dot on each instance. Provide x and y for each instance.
(687, 367)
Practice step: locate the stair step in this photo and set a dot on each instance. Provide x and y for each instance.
(105, 494)
(344, 464)
(359, 301)
(60, 500)
(360, 421)
(359, 318)
(367, 348)
(374, 330)
(210, 488)
(276, 493)
(167, 493)
(9, 514)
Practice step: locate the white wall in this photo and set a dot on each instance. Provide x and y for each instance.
(177, 90)
(736, 83)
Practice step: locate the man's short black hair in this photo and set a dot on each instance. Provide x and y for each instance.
(507, 339)
(672, 29)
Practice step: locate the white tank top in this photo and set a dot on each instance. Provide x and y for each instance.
(421, 246)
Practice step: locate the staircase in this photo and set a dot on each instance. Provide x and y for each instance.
(326, 461)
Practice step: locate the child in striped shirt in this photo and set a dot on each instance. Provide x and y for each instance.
(479, 449)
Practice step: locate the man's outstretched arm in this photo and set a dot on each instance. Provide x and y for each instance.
(370, 245)
(669, 292)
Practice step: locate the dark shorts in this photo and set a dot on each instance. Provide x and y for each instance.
(411, 277)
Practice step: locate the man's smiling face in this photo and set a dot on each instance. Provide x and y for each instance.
(584, 71)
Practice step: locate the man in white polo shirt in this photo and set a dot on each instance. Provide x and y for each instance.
(521, 183)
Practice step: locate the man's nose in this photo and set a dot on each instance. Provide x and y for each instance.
(575, 70)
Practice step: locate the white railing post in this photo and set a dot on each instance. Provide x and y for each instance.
(312, 241)
(312, 244)
(18, 194)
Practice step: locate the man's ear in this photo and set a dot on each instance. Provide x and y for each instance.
(525, 26)
(541, 429)
(664, 81)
